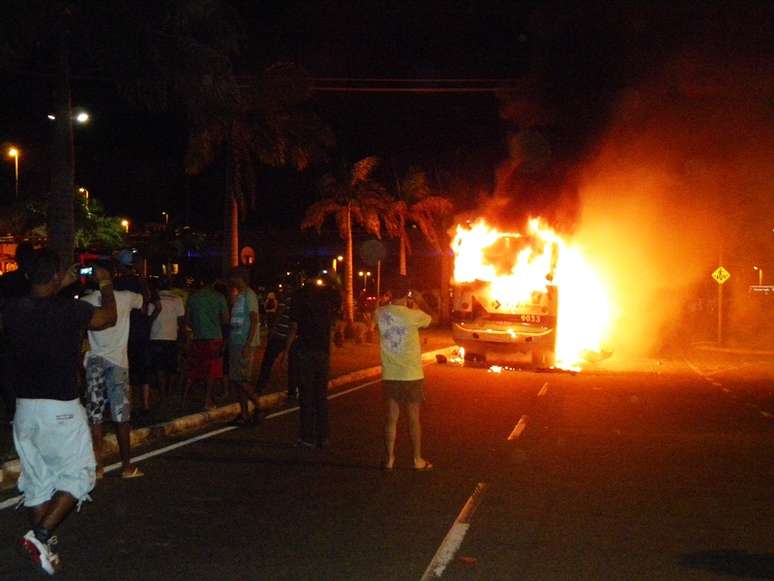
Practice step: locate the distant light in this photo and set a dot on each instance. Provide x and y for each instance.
(13, 152)
(325, 272)
(51, 117)
(319, 282)
(287, 273)
(368, 273)
(360, 273)
(342, 258)
(82, 117)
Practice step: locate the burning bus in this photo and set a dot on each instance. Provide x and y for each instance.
(526, 298)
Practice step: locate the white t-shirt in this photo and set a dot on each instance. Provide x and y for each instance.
(165, 326)
(399, 341)
(111, 343)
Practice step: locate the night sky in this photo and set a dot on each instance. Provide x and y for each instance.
(571, 59)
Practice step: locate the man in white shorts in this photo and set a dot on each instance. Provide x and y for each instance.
(50, 430)
(107, 379)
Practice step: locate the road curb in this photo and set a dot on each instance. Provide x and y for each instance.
(9, 471)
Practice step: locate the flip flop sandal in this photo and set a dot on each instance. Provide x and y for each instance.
(135, 473)
(426, 468)
(99, 473)
(387, 468)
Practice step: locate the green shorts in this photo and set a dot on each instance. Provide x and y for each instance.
(412, 391)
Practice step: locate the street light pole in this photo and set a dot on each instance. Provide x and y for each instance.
(760, 275)
(14, 153)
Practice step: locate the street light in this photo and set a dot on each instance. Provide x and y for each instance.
(82, 117)
(125, 225)
(760, 275)
(336, 263)
(166, 218)
(15, 153)
(364, 276)
(85, 193)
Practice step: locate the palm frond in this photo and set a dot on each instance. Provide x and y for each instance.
(317, 213)
(428, 215)
(362, 170)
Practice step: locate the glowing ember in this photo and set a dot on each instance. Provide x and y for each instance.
(518, 269)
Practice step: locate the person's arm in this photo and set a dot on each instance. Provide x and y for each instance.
(104, 316)
(423, 319)
(156, 302)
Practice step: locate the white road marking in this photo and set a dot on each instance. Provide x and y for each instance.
(453, 540)
(543, 390)
(727, 389)
(698, 371)
(13, 501)
(717, 384)
(521, 425)
(766, 414)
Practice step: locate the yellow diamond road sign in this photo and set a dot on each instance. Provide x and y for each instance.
(721, 275)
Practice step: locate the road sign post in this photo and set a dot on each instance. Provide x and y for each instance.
(721, 276)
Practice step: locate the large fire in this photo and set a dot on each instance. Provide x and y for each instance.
(540, 258)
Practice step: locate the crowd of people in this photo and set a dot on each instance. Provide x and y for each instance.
(75, 341)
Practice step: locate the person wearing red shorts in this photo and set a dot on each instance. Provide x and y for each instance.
(207, 315)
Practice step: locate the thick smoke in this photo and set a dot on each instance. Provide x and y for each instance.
(662, 168)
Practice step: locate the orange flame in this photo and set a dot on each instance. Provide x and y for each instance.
(516, 266)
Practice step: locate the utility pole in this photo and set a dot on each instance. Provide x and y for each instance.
(720, 300)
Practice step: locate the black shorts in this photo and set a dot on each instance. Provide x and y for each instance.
(164, 356)
(405, 391)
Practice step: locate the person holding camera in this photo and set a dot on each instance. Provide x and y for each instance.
(51, 433)
(402, 373)
(107, 377)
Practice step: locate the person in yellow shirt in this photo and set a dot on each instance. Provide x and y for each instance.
(402, 373)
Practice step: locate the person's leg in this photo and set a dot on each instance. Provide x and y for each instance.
(56, 510)
(322, 363)
(307, 396)
(273, 350)
(415, 431)
(243, 405)
(293, 369)
(96, 400)
(391, 414)
(209, 387)
(119, 395)
(123, 435)
(145, 397)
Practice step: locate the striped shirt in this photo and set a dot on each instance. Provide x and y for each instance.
(281, 328)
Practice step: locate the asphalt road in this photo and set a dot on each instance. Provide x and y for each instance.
(650, 470)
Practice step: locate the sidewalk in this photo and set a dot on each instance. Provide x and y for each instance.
(349, 363)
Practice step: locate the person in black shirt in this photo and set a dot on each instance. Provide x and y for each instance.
(13, 285)
(51, 434)
(314, 310)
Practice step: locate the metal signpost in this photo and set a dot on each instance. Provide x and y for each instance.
(721, 276)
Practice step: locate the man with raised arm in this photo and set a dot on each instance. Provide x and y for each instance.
(50, 430)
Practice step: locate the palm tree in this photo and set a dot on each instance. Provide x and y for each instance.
(267, 123)
(416, 203)
(356, 198)
(161, 55)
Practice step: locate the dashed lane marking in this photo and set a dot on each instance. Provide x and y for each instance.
(766, 414)
(453, 540)
(521, 425)
(543, 390)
